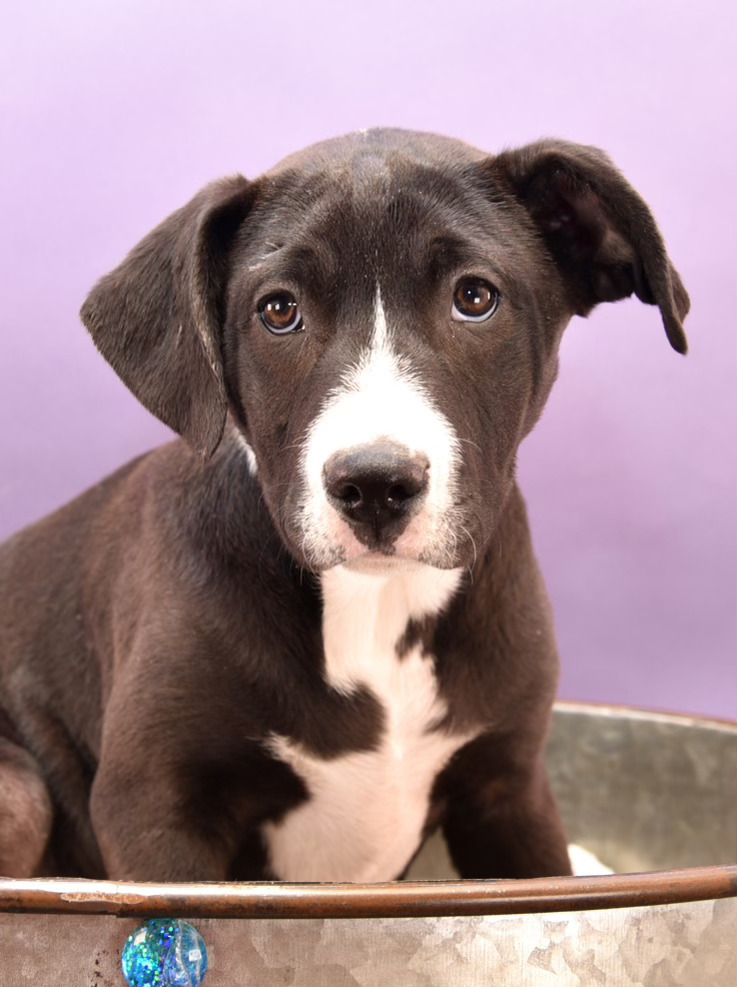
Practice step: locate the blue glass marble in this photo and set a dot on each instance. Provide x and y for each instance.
(165, 952)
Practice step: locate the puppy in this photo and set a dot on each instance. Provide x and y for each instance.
(293, 644)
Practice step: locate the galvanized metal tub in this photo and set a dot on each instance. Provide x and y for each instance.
(652, 795)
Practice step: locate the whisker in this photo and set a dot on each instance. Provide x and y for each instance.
(473, 543)
(471, 443)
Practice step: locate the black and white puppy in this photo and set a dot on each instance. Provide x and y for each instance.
(295, 643)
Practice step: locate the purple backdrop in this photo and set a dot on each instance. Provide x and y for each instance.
(114, 114)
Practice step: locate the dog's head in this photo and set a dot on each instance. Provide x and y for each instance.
(379, 317)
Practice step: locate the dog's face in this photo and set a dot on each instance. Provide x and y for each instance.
(384, 356)
(381, 316)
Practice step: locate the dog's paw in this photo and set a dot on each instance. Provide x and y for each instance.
(584, 863)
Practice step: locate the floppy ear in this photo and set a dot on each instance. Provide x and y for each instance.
(157, 317)
(600, 232)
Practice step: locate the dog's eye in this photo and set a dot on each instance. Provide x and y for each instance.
(280, 313)
(474, 300)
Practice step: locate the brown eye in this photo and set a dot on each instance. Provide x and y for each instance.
(280, 313)
(474, 300)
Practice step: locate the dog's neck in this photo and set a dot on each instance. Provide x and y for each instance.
(368, 613)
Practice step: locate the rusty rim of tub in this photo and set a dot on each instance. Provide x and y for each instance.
(405, 899)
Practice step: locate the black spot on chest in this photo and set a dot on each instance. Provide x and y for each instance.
(417, 632)
(341, 724)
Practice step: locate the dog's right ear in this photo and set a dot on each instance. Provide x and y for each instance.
(157, 317)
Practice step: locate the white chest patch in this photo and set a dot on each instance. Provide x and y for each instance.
(363, 820)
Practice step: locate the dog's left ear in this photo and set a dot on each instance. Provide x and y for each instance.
(157, 317)
(599, 231)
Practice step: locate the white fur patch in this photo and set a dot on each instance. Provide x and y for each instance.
(584, 863)
(381, 397)
(364, 817)
(250, 455)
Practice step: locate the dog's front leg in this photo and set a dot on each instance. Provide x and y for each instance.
(144, 832)
(172, 800)
(501, 818)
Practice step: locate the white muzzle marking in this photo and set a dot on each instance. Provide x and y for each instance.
(381, 398)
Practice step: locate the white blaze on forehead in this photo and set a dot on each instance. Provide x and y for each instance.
(380, 397)
(380, 339)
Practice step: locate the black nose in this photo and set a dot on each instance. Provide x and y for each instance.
(377, 488)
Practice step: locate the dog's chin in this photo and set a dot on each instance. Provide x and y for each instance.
(383, 564)
(389, 562)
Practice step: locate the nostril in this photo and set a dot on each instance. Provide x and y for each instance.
(350, 495)
(398, 493)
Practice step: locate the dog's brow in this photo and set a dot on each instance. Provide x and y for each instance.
(299, 263)
(448, 251)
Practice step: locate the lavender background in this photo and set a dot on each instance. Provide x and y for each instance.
(113, 114)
